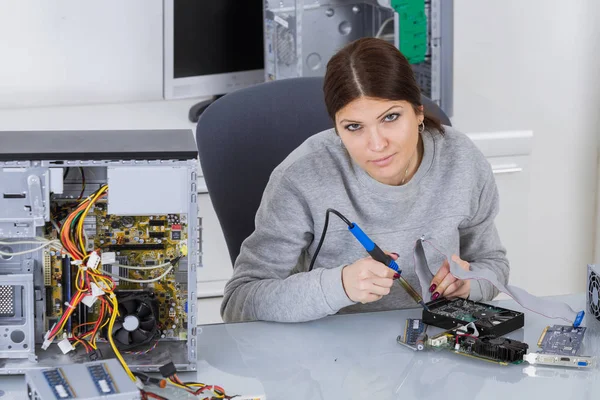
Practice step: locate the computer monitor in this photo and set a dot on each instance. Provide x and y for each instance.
(212, 47)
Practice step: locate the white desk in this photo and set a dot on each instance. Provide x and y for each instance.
(357, 357)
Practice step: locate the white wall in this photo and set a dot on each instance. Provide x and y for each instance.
(79, 51)
(535, 65)
(518, 65)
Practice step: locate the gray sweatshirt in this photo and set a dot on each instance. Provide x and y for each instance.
(452, 198)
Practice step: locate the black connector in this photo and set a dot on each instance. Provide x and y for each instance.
(148, 380)
(168, 370)
(175, 260)
(95, 355)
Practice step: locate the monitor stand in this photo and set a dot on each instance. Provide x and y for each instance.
(199, 108)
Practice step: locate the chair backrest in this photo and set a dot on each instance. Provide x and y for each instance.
(244, 135)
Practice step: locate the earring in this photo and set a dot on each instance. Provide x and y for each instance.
(421, 126)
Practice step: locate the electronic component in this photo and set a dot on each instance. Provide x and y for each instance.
(136, 324)
(413, 332)
(593, 296)
(561, 340)
(47, 266)
(47, 295)
(560, 360)
(95, 380)
(496, 349)
(168, 370)
(136, 247)
(66, 286)
(489, 320)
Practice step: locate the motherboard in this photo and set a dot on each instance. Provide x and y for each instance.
(136, 252)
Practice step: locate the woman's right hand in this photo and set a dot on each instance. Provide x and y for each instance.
(367, 280)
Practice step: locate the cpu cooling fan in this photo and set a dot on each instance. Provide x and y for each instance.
(137, 321)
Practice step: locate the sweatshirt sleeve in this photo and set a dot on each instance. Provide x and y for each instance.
(480, 244)
(263, 286)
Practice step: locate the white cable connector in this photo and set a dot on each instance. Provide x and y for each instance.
(65, 346)
(109, 257)
(96, 290)
(138, 383)
(48, 342)
(89, 300)
(93, 261)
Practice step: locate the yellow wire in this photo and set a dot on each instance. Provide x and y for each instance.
(79, 228)
(113, 318)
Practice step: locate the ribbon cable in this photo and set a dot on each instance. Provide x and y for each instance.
(545, 307)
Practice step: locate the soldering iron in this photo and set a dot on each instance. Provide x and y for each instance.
(373, 250)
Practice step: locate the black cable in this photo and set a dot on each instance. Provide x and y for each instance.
(82, 183)
(66, 173)
(329, 210)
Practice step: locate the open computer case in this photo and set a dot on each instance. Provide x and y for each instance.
(126, 201)
(301, 36)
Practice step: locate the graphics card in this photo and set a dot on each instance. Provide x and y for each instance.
(500, 350)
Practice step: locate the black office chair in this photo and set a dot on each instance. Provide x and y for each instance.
(244, 135)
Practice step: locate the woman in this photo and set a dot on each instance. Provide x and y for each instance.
(394, 171)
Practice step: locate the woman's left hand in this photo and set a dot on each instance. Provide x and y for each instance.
(446, 285)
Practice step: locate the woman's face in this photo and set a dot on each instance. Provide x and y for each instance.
(380, 135)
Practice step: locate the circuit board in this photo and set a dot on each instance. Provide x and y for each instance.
(465, 310)
(490, 320)
(412, 330)
(561, 340)
(498, 350)
(143, 241)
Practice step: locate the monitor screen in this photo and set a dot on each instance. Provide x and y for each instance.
(213, 37)
(212, 47)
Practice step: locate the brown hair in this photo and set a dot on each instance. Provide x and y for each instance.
(371, 67)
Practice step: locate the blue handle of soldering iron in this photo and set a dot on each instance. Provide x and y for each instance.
(372, 248)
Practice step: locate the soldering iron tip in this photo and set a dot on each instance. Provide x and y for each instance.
(422, 303)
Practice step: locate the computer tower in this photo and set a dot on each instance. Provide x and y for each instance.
(301, 36)
(82, 209)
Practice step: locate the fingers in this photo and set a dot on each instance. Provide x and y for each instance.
(439, 277)
(461, 263)
(383, 282)
(380, 270)
(453, 288)
(378, 290)
(371, 298)
(441, 288)
(463, 290)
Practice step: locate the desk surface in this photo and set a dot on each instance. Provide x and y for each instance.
(357, 357)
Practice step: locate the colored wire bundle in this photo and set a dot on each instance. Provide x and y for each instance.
(197, 388)
(73, 240)
(71, 233)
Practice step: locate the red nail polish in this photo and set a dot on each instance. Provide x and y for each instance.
(432, 288)
(435, 296)
(396, 276)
